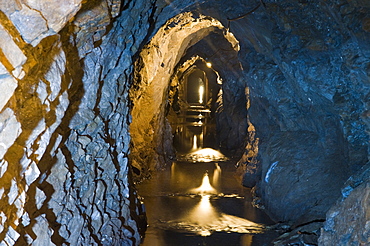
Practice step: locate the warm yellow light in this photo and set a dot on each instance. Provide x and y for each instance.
(209, 65)
(195, 142)
(216, 174)
(201, 92)
(205, 187)
(207, 155)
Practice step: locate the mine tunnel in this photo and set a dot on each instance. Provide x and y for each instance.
(184, 122)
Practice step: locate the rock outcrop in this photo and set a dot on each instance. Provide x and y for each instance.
(305, 66)
(64, 122)
(348, 222)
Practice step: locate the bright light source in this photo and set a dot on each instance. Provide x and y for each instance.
(195, 142)
(205, 187)
(209, 65)
(201, 92)
(207, 155)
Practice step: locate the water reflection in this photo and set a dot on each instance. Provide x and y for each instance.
(198, 201)
(193, 133)
(190, 201)
(205, 187)
(216, 174)
(203, 155)
(205, 218)
(201, 217)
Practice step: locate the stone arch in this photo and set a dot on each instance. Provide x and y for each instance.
(153, 70)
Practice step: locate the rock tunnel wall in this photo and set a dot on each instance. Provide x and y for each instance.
(64, 111)
(64, 121)
(307, 66)
(306, 73)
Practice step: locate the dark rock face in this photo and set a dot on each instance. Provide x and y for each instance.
(301, 183)
(306, 86)
(348, 222)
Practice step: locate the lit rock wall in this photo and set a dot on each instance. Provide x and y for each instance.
(64, 76)
(36, 20)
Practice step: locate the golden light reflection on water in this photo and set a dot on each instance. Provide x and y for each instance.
(246, 240)
(204, 218)
(203, 213)
(198, 211)
(203, 155)
(205, 187)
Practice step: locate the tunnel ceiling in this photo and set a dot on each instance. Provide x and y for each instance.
(217, 50)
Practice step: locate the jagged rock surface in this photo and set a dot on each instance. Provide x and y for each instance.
(64, 123)
(309, 89)
(348, 222)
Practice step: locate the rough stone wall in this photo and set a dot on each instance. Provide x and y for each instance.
(64, 122)
(306, 66)
(348, 222)
(306, 69)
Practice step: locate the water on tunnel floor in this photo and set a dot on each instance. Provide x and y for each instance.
(199, 201)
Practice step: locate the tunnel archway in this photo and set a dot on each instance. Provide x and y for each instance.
(196, 87)
(193, 93)
(154, 68)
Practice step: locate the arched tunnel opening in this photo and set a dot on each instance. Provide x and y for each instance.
(192, 108)
(198, 128)
(172, 79)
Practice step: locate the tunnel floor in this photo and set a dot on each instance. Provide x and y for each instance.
(199, 201)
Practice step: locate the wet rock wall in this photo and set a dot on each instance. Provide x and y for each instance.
(64, 122)
(348, 222)
(299, 58)
(305, 69)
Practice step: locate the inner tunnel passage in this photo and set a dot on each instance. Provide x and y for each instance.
(191, 89)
